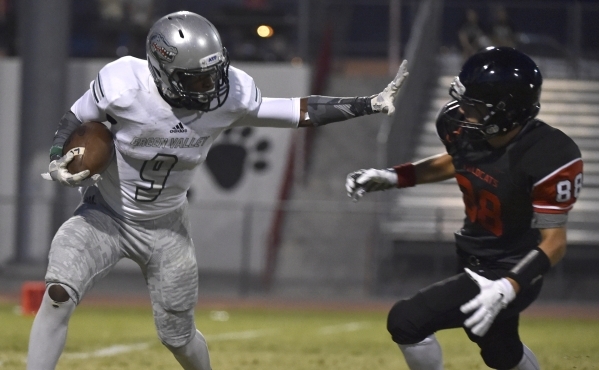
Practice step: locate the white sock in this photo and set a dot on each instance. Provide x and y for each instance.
(528, 362)
(48, 333)
(425, 355)
(194, 355)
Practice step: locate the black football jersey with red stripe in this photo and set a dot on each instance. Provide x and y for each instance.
(537, 176)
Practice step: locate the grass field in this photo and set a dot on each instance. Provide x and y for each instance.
(289, 339)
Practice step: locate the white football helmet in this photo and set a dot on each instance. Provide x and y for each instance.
(188, 62)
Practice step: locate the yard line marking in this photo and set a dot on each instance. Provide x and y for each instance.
(343, 328)
(240, 335)
(109, 351)
(125, 348)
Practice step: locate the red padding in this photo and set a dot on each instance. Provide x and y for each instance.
(32, 293)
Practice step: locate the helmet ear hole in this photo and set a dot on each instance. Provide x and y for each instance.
(511, 115)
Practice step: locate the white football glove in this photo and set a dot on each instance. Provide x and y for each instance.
(57, 171)
(383, 102)
(494, 296)
(360, 182)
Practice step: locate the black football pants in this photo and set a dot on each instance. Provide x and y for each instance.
(437, 307)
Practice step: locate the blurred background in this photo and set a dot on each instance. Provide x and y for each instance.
(270, 213)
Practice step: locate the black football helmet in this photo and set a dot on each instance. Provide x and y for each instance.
(503, 84)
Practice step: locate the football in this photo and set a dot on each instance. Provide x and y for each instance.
(93, 148)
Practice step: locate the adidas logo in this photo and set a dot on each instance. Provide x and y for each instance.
(179, 128)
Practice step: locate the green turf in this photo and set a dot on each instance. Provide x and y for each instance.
(283, 339)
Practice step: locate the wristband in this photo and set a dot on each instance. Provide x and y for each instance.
(530, 268)
(55, 152)
(406, 175)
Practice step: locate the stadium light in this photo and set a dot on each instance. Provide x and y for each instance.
(265, 31)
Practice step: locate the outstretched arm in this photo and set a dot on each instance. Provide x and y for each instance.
(432, 169)
(316, 110)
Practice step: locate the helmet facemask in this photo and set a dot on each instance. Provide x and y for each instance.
(482, 121)
(190, 87)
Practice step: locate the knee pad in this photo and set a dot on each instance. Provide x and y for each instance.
(504, 355)
(194, 334)
(175, 329)
(402, 323)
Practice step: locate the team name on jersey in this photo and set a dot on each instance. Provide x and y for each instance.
(168, 142)
(482, 175)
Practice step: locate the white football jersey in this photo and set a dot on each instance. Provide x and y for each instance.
(157, 146)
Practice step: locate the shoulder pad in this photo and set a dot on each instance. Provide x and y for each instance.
(244, 95)
(118, 82)
(546, 148)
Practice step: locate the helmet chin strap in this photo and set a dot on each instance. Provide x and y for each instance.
(168, 92)
(177, 101)
(169, 97)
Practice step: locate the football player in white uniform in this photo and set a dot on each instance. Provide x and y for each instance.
(164, 113)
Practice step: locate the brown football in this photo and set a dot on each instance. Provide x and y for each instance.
(93, 148)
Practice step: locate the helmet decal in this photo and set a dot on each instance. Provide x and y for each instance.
(211, 60)
(161, 48)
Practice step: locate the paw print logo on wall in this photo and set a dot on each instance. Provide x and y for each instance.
(237, 151)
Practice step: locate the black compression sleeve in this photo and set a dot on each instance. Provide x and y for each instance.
(323, 110)
(530, 268)
(68, 123)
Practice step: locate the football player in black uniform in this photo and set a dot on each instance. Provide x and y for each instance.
(519, 178)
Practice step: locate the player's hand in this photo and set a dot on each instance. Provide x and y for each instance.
(360, 182)
(383, 102)
(494, 296)
(57, 171)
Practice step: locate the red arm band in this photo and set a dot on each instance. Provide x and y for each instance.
(406, 175)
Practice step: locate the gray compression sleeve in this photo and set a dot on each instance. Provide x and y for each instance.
(325, 109)
(548, 220)
(68, 123)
